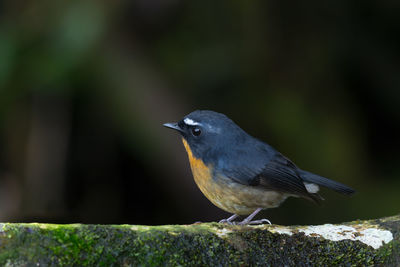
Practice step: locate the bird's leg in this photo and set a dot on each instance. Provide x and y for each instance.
(229, 220)
(248, 220)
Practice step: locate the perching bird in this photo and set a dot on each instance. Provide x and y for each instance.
(241, 174)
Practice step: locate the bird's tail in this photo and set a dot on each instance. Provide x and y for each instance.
(322, 181)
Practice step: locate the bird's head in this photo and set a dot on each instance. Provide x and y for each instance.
(207, 132)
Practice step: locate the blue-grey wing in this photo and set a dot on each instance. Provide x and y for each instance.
(270, 172)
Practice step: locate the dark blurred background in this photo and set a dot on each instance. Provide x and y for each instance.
(86, 85)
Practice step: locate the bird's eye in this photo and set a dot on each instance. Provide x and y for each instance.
(196, 131)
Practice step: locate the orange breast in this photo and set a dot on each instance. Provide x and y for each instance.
(201, 172)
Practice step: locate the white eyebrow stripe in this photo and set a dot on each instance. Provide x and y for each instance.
(190, 122)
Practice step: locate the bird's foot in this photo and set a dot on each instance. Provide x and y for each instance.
(248, 220)
(226, 221)
(229, 220)
(262, 221)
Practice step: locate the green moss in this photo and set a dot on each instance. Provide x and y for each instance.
(200, 244)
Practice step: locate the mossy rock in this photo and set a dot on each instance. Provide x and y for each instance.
(359, 243)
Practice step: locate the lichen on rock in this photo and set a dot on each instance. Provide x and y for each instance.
(372, 242)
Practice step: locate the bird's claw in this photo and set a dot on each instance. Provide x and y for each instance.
(227, 222)
(246, 221)
(262, 221)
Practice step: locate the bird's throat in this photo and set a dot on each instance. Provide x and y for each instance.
(195, 163)
(201, 172)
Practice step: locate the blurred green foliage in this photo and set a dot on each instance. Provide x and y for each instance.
(86, 85)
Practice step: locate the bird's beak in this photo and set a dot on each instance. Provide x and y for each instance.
(173, 125)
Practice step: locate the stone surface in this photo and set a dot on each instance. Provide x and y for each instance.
(374, 242)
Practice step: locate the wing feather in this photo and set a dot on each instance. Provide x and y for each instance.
(278, 174)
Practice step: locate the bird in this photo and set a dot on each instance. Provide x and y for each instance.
(241, 174)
